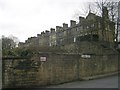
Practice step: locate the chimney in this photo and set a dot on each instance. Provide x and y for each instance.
(52, 30)
(42, 33)
(58, 28)
(81, 19)
(72, 23)
(47, 32)
(38, 35)
(65, 26)
(105, 13)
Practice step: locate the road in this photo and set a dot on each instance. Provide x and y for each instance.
(105, 82)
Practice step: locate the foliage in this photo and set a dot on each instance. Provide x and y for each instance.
(30, 51)
(22, 52)
(8, 52)
(35, 49)
(7, 43)
(24, 65)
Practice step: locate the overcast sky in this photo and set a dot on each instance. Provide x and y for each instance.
(27, 18)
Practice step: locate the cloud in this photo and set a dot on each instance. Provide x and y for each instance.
(26, 18)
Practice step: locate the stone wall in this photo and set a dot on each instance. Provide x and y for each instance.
(54, 68)
(98, 65)
(58, 68)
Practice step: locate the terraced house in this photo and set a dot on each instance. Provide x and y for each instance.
(118, 24)
(89, 28)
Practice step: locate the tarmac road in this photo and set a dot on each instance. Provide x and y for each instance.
(105, 82)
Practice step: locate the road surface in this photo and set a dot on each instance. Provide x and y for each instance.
(105, 82)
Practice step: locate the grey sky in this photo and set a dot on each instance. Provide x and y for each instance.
(26, 18)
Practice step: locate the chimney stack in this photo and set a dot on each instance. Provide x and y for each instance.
(52, 30)
(38, 35)
(65, 26)
(42, 33)
(58, 28)
(81, 19)
(47, 33)
(105, 13)
(72, 23)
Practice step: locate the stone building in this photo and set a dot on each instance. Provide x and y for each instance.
(52, 37)
(43, 38)
(90, 28)
(118, 24)
(31, 41)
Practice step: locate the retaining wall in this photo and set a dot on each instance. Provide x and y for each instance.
(54, 68)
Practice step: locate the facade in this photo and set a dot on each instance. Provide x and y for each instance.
(91, 28)
(52, 37)
(118, 25)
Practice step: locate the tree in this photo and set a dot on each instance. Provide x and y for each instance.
(84, 10)
(112, 7)
(15, 39)
(97, 6)
(7, 43)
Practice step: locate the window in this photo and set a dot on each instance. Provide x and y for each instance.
(77, 29)
(92, 25)
(55, 42)
(74, 39)
(85, 33)
(50, 44)
(87, 27)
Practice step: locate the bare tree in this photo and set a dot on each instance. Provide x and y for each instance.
(97, 7)
(9, 42)
(15, 39)
(112, 7)
(85, 9)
